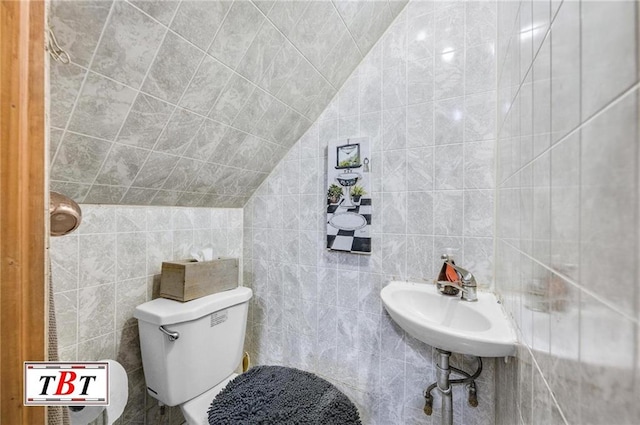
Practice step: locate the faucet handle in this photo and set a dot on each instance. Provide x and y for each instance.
(466, 276)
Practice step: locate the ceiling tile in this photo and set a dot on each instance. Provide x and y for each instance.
(303, 89)
(185, 172)
(206, 140)
(255, 107)
(198, 20)
(101, 108)
(236, 33)
(179, 131)
(341, 60)
(206, 178)
(138, 196)
(261, 53)
(264, 5)
(286, 14)
(189, 199)
(162, 10)
(172, 69)
(99, 194)
(269, 155)
(396, 6)
(248, 156)
(232, 99)
(64, 82)
(366, 20)
(77, 25)
(348, 9)
(228, 146)
(272, 116)
(166, 197)
(206, 86)
(128, 45)
(79, 158)
(318, 31)
(76, 191)
(155, 171)
(55, 137)
(282, 69)
(204, 128)
(122, 165)
(145, 121)
(288, 127)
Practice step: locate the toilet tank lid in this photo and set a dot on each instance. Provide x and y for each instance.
(162, 311)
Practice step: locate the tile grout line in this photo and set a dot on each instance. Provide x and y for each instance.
(405, 31)
(464, 131)
(496, 157)
(138, 91)
(131, 107)
(175, 106)
(612, 103)
(82, 85)
(362, 55)
(433, 146)
(572, 282)
(294, 46)
(206, 52)
(202, 124)
(78, 95)
(166, 125)
(536, 368)
(580, 200)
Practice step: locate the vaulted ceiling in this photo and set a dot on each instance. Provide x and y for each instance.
(194, 102)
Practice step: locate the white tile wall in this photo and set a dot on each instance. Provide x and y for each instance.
(110, 265)
(431, 123)
(568, 210)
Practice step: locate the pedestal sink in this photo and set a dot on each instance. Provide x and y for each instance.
(478, 328)
(348, 180)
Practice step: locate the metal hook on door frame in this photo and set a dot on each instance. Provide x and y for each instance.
(54, 49)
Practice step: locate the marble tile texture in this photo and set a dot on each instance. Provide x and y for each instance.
(110, 265)
(567, 196)
(433, 165)
(147, 73)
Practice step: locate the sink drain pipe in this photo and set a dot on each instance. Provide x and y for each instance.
(443, 370)
(444, 386)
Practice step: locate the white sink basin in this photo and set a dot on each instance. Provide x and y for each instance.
(477, 328)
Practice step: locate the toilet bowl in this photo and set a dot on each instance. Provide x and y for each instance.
(190, 350)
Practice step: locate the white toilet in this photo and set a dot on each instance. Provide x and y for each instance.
(191, 350)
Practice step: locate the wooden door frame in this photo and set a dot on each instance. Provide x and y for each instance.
(22, 203)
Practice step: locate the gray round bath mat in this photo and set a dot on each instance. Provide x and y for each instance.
(270, 395)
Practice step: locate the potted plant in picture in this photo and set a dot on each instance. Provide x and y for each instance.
(357, 192)
(334, 193)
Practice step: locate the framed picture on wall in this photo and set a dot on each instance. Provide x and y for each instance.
(349, 196)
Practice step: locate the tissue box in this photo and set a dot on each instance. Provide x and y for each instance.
(186, 280)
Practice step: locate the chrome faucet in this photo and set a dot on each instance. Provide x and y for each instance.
(467, 284)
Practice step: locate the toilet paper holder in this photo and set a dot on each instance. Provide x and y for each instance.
(172, 335)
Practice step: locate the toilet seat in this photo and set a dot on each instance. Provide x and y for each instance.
(195, 410)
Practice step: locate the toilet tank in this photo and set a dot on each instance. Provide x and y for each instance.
(209, 347)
